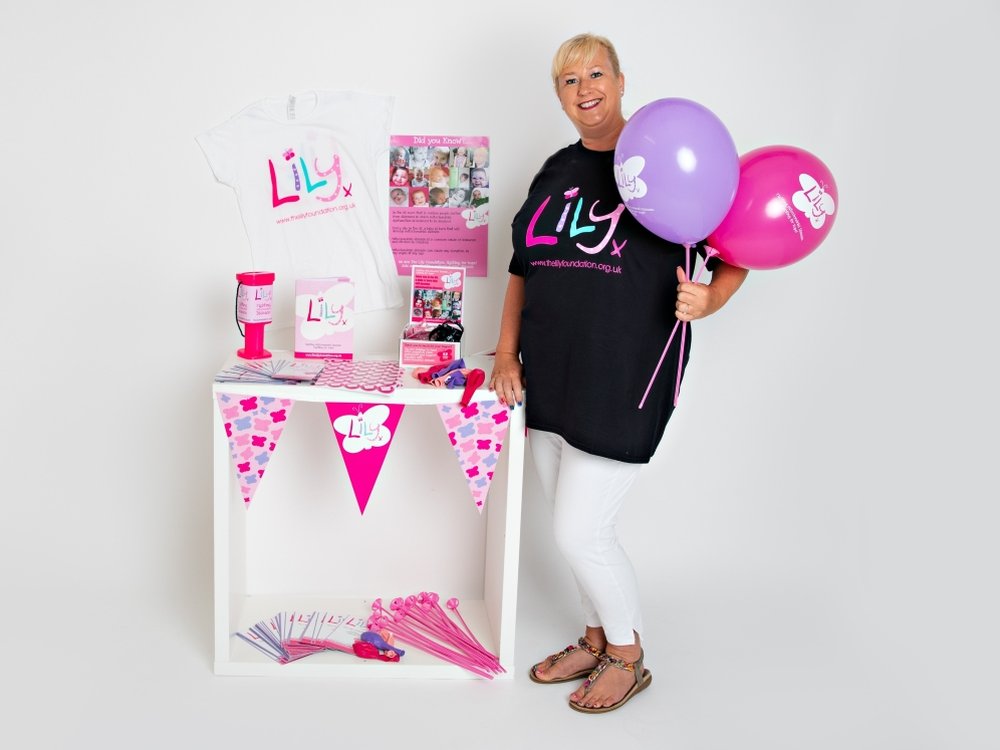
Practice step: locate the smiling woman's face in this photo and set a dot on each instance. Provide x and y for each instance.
(590, 94)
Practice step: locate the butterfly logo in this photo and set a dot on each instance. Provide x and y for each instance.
(478, 216)
(364, 430)
(813, 201)
(630, 185)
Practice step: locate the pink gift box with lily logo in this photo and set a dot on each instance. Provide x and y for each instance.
(434, 334)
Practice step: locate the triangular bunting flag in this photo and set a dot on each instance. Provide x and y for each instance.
(476, 433)
(364, 433)
(253, 425)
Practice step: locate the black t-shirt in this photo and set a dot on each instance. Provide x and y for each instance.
(599, 303)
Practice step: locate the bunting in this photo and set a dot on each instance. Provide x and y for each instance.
(253, 425)
(364, 433)
(476, 432)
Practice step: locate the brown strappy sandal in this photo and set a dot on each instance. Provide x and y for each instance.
(581, 644)
(642, 679)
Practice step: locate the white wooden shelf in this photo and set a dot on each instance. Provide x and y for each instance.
(302, 545)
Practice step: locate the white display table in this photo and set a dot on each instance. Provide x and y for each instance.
(302, 545)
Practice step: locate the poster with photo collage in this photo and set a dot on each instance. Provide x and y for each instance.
(439, 193)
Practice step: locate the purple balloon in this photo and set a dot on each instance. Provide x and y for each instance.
(677, 169)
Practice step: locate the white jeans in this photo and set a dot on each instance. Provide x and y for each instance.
(586, 493)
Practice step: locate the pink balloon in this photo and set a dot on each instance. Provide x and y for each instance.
(784, 208)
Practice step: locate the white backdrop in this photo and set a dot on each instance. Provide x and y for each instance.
(815, 536)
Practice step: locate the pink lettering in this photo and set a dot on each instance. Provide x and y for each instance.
(613, 216)
(275, 200)
(335, 169)
(530, 240)
(309, 315)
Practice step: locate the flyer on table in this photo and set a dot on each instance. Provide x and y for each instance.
(439, 192)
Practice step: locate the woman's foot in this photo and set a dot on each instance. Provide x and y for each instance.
(572, 663)
(612, 685)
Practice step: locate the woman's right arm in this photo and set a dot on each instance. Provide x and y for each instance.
(507, 379)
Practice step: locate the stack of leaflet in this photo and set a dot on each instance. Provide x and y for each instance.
(275, 371)
(291, 635)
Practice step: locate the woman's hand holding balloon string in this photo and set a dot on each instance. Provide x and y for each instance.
(686, 310)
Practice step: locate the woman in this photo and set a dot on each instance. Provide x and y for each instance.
(588, 364)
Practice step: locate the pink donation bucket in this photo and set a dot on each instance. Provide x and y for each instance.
(253, 310)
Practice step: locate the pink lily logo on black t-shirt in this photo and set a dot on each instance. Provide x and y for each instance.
(571, 212)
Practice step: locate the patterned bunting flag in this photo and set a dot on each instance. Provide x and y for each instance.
(364, 432)
(476, 433)
(253, 425)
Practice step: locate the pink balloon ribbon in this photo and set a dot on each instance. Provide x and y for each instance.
(710, 252)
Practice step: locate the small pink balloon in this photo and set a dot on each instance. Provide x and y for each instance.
(453, 603)
(785, 205)
(396, 603)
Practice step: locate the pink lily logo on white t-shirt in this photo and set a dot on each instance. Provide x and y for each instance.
(317, 181)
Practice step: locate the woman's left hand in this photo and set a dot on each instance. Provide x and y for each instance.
(696, 300)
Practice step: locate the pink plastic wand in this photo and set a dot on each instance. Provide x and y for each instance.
(453, 606)
(684, 327)
(710, 252)
(429, 614)
(407, 632)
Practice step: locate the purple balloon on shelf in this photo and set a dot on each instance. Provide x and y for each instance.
(677, 169)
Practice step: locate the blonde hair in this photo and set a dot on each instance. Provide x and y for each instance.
(582, 49)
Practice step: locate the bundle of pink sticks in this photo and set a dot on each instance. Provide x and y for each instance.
(421, 622)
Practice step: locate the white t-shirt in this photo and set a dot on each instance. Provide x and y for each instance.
(305, 170)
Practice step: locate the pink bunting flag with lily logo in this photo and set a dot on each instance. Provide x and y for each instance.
(253, 425)
(364, 432)
(477, 433)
